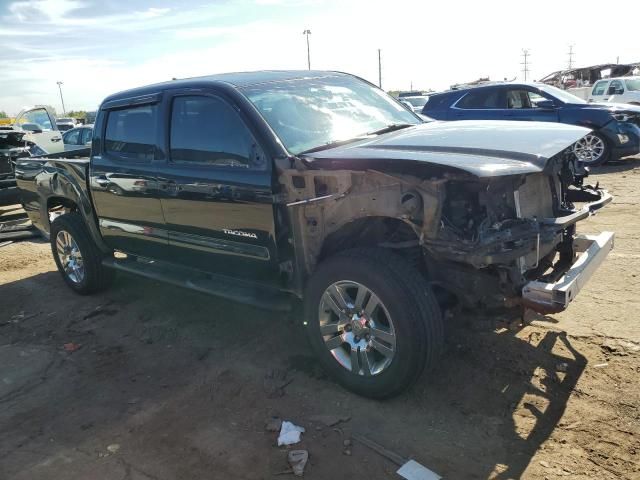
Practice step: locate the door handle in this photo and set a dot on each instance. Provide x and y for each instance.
(56, 139)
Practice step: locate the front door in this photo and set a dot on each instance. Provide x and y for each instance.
(522, 104)
(42, 129)
(216, 191)
(123, 180)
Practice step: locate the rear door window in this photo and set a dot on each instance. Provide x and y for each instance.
(72, 137)
(132, 132)
(481, 99)
(207, 130)
(87, 133)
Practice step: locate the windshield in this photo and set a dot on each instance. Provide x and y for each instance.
(415, 101)
(312, 112)
(633, 84)
(561, 95)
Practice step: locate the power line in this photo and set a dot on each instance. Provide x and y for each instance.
(571, 54)
(307, 32)
(379, 69)
(525, 64)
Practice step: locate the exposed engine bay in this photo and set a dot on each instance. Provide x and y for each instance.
(481, 239)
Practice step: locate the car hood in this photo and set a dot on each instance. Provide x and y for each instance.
(482, 148)
(611, 107)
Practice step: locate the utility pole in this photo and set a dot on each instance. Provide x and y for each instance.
(379, 69)
(571, 56)
(307, 32)
(64, 112)
(525, 64)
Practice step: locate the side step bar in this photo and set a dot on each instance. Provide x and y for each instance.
(216, 285)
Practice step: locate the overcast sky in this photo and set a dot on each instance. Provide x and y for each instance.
(97, 47)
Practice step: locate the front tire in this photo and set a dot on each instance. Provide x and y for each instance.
(372, 321)
(78, 258)
(592, 149)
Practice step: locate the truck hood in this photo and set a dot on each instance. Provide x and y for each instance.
(481, 148)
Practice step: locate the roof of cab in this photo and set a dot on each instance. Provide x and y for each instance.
(238, 80)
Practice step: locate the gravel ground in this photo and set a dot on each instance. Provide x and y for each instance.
(148, 381)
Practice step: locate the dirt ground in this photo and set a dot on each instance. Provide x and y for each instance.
(170, 384)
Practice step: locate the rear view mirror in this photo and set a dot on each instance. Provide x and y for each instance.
(31, 127)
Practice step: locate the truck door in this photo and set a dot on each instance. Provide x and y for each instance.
(42, 129)
(123, 179)
(216, 190)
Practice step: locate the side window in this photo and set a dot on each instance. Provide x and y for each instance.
(616, 87)
(38, 116)
(518, 99)
(599, 88)
(87, 133)
(207, 130)
(480, 99)
(72, 137)
(131, 132)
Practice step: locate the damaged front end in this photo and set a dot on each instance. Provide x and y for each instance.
(493, 243)
(511, 241)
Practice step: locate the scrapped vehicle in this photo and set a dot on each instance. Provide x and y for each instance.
(318, 189)
(415, 103)
(617, 90)
(39, 125)
(616, 128)
(12, 147)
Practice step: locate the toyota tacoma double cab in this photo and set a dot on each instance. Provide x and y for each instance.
(317, 189)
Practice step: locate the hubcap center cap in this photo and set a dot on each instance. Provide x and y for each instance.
(359, 325)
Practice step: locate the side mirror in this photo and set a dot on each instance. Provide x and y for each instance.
(546, 104)
(31, 127)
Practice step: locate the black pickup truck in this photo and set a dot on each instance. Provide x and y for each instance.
(318, 189)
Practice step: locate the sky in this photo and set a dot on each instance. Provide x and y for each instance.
(98, 47)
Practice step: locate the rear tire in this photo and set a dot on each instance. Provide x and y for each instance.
(377, 352)
(78, 258)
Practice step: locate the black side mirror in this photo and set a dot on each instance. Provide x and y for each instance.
(31, 127)
(546, 104)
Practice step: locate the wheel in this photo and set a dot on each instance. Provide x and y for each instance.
(592, 149)
(372, 321)
(78, 259)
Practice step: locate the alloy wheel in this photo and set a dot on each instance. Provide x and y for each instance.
(589, 149)
(356, 328)
(70, 256)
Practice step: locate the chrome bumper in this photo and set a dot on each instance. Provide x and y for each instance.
(555, 297)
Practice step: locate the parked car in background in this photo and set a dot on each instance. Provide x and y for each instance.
(39, 125)
(617, 90)
(66, 123)
(414, 103)
(616, 128)
(318, 189)
(77, 137)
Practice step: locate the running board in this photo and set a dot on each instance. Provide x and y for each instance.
(212, 284)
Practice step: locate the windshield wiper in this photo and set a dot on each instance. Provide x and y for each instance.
(391, 128)
(331, 144)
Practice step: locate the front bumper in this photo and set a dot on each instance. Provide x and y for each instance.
(555, 297)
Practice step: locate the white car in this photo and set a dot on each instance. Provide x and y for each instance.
(415, 103)
(39, 123)
(616, 90)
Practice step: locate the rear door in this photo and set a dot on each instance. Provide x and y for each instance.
(123, 177)
(217, 190)
(485, 103)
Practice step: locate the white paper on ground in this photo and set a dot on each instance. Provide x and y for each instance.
(412, 470)
(289, 434)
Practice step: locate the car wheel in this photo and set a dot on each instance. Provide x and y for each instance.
(373, 321)
(78, 259)
(592, 149)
